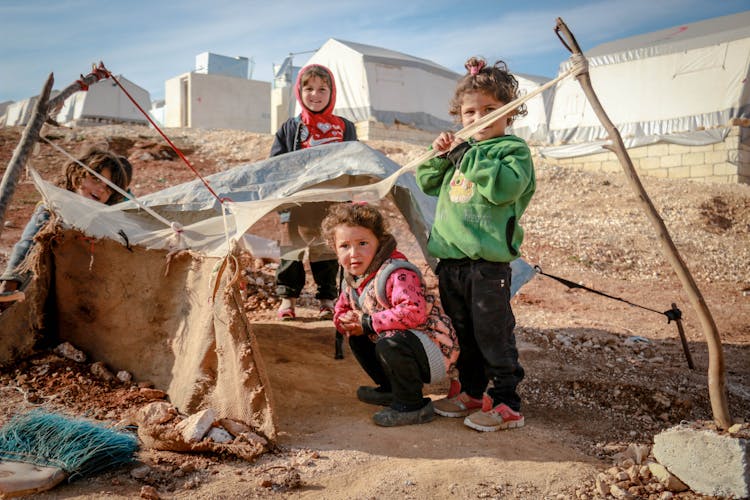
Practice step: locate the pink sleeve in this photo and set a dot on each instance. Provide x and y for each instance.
(342, 306)
(408, 306)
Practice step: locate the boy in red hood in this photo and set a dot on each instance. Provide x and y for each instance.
(316, 93)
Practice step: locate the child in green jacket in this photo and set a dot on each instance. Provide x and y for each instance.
(483, 187)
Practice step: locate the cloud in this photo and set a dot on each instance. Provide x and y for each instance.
(150, 42)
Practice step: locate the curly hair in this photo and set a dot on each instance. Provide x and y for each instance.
(493, 80)
(353, 214)
(121, 171)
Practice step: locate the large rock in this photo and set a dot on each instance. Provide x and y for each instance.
(709, 462)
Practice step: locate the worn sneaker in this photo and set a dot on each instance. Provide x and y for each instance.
(286, 309)
(374, 396)
(493, 419)
(325, 313)
(393, 418)
(456, 403)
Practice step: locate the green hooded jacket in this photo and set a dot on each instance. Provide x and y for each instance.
(480, 204)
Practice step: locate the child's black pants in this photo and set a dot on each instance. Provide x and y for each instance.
(396, 362)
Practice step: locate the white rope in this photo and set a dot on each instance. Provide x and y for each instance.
(224, 217)
(173, 225)
(579, 64)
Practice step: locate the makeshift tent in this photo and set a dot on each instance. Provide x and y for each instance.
(683, 85)
(533, 127)
(155, 295)
(104, 102)
(373, 83)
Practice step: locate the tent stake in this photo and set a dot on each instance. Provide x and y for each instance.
(676, 315)
(716, 377)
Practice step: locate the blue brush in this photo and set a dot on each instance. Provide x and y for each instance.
(55, 447)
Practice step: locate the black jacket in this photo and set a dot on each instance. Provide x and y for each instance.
(287, 137)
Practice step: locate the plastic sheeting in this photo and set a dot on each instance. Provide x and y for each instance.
(334, 172)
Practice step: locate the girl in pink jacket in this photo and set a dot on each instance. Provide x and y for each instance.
(397, 332)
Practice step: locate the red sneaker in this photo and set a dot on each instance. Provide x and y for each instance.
(286, 314)
(456, 403)
(494, 419)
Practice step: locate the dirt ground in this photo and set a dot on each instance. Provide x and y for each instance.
(602, 376)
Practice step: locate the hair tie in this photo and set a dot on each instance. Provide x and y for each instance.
(475, 68)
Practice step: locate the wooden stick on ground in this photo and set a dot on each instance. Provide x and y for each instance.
(716, 377)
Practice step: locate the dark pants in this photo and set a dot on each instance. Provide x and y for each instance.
(290, 278)
(476, 296)
(398, 363)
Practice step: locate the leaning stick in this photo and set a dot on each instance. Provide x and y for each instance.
(23, 150)
(32, 131)
(716, 378)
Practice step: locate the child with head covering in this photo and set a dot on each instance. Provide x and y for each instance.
(314, 126)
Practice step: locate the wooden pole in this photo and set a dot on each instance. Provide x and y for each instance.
(29, 138)
(33, 129)
(716, 377)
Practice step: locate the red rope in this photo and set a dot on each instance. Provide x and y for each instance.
(98, 71)
(175, 148)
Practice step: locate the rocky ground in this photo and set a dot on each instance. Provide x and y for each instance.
(603, 376)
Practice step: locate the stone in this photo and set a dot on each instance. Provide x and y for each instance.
(709, 462)
(101, 371)
(156, 413)
(149, 493)
(196, 425)
(637, 452)
(666, 478)
(140, 472)
(234, 427)
(618, 492)
(152, 393)
(219, 435)
(66, 350)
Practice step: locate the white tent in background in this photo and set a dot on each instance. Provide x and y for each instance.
(386, 86)
(18, 113)
(3, 106)
(685, 85)
(104, 102)
(534, 126)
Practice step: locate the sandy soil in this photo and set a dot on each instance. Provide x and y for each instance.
(602, 375)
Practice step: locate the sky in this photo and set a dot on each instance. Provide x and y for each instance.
(151, 41)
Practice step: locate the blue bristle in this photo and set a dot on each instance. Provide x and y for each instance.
(78, 447)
